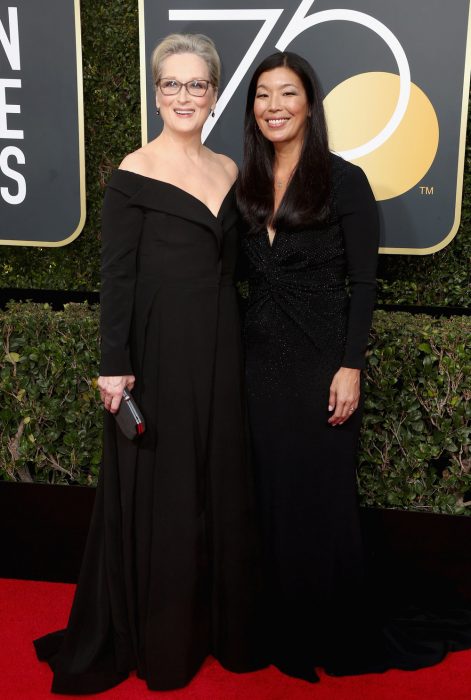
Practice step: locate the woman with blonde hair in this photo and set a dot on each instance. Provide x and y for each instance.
(168, 575)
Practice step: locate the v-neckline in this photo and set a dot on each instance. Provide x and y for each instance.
(267, 236)
(180, 189)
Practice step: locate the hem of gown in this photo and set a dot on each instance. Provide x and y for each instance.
(302, 673)
(244, 667)
(89, 682)
(63, 683)
(309, 674)
(164, 687)
(155, 684)
(405, 644)
(86, 683)
(251, 667)
(226, 665)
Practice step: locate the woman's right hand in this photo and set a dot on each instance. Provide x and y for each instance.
(111, 390)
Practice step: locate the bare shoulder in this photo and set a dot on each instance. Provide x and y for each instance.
(136, 162)
(228, 164)
(141, 162)
(223, 163)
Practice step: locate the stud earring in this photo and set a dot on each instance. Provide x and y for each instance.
(157, 111)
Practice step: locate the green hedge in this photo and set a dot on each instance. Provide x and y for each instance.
(50, 421)
(112, 129)
(415, 447)
(415, 442)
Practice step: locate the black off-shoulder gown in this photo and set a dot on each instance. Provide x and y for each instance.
(302, 324)
(170, 569)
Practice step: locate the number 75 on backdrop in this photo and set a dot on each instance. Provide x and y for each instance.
(395, 77)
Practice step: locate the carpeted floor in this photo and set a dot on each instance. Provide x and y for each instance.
(29, 609)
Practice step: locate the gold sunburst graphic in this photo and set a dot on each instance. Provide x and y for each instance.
(358, 109)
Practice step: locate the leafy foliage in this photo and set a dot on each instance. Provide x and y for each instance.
(50, 425)
(415, 447)
(112, 128)
(415, 442)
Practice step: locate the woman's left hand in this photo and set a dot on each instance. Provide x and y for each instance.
(344, 395)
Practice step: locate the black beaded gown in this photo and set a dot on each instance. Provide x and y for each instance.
(302, 324)
(170, 569)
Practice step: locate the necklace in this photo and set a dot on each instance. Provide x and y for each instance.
(279, 184)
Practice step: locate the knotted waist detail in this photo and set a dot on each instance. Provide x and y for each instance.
(302, 288)
(319, 307)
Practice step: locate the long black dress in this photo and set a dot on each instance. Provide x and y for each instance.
(169, 572)
(301, 326)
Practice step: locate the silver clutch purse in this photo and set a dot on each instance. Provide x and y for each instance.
(129, 418)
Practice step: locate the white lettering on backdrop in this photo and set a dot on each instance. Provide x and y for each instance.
(10, 41)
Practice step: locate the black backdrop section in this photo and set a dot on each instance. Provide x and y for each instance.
(47, 204)
(112, 129)
(56, 298)
(360, 48)
(408, 551)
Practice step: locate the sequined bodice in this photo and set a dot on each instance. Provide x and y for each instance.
(313, 291)
(303, 275)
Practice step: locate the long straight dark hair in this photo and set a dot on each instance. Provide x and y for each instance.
(306, 200)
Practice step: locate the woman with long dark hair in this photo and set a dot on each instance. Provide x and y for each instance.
(311, 247)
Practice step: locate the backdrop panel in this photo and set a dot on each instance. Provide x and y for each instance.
(395, 78)
(42, 173)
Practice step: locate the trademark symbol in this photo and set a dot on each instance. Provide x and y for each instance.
(424, 189)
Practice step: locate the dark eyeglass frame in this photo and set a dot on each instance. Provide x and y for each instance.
(185, 85)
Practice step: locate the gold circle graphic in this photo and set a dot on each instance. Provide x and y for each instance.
(360, 107)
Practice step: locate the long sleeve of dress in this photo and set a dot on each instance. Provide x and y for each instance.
(121, 230)
(360, 224)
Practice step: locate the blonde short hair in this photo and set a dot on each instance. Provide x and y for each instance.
(198, 44)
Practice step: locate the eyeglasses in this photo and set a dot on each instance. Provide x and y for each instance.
(197, 88)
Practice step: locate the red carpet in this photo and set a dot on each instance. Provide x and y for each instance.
(29, 609)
